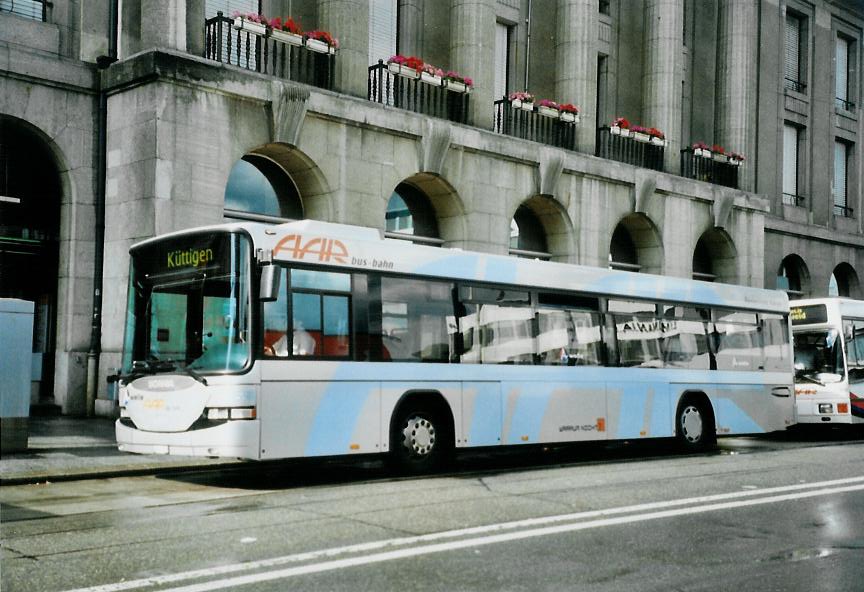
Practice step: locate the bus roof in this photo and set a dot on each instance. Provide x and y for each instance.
(353, 247)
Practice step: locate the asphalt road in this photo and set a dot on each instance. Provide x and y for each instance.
(783, 513)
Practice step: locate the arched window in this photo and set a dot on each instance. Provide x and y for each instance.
(527, 235)
(410, 216)
(622, 251)
(843, 282)
(792, 276)
(30, 197)
(259, 189)
(703, 267)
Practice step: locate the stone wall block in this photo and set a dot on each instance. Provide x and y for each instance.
(433, 147)
(287, 110)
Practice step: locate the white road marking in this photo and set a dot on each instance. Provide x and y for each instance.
(592, 519)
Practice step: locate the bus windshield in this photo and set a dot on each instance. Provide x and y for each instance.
(817, 353)
(189, 305)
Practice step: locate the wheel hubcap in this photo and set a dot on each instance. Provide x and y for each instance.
(419, 436)
(691, 424)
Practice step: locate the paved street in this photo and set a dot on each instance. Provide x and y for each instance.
(782, 513)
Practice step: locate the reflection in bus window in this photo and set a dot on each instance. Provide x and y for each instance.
(320, 319)
(569, 338)
(738, 345)
(775, 343)
(685, 338)
(417, 320)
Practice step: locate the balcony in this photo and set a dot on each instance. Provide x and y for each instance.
(405, 88)
(268, 53)
(629, 149)
(514, 120)
(718, 169)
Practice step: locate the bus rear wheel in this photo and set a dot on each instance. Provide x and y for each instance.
(695, 426)
(419, 441)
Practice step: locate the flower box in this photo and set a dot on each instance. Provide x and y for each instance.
(455, 86)
(402, 70)
(640, 137)
(431, 79)
(702, 152)
(568, 117)
(243, 24)
(320, 46)
(658, 141)
(547, 111)
(719, 157)
(520, 104)
(286, 37)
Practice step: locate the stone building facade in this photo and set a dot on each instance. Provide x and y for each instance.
(179, 119)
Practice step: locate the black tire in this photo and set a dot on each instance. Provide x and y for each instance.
(421, 440)
(694, 426)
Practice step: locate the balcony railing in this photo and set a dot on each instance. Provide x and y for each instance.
(844, 104)
(791, 199)
(415, 94)
(32, 9)
(843, 211)
(628, 150)
(531, 125)
(265, 54)
(707, 168)
(796, 85)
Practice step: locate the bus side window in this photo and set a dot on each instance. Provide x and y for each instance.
(637, 332)
(275, 332)
(739, 344)
(775, 343)
(320, 314)
(855, 350)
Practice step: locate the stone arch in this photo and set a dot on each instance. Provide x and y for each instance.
(299, 184)
(554, 224)
(645, 241)
(36, 196)
(436, 206)
(793, 277)
(715, 257)
(847, 282)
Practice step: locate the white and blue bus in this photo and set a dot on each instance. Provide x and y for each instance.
(312, 339)
(828, 334)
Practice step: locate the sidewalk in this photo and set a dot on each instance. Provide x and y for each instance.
(67, 448)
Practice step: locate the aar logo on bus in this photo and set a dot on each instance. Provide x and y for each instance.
(324, 249)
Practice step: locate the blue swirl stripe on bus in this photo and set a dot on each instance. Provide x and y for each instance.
(336, 419)
(527, 416)
(485, 427)
(461, 266)
(635, 400)
(499, 270)
(736, 419)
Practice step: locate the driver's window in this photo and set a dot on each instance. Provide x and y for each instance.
(168, 325)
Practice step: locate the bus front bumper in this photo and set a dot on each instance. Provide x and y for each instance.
(233, 439)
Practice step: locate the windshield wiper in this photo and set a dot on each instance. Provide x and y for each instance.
(154, 365)
(809, 378)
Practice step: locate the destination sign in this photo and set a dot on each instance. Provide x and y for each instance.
(808, 315)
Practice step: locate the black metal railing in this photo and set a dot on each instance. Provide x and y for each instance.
(843, 211)
(794, 84)
(844, 104)
(31, 9)
(413, 94)
(707, 168)
(628, 150)
(791, 199)
(531, 125)
(264, 54)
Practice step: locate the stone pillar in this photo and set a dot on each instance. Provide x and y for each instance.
(195, 17)
(348, 21)
(163, 24)
(661, 88)
(735, 123)
(576, 64)
(410, 27)
(472, 53)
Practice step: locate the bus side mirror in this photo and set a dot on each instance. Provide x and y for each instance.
(269, 289)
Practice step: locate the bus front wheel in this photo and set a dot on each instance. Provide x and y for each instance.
(419, 441)
(695, 426)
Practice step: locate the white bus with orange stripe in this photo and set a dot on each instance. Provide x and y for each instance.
(829, 360)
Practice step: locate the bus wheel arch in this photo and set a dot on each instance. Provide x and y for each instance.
(695, 422)
(421, 432)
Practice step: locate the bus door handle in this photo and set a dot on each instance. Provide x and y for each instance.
(781, 391)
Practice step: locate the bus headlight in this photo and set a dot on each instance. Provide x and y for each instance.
(223, 413)
(826, 408)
